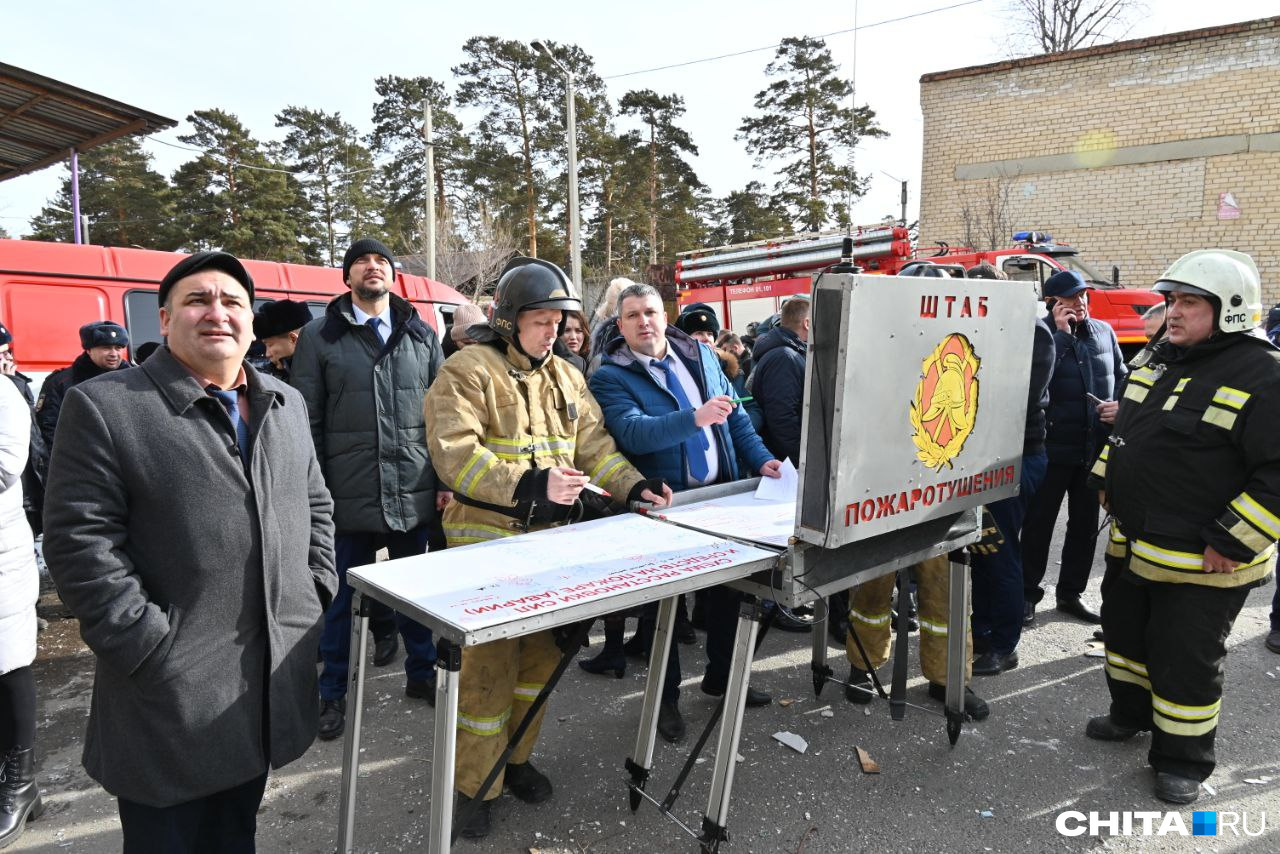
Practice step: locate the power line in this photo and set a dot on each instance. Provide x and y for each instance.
(777, 45)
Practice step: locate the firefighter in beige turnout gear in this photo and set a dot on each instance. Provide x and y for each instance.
(514, 432)
(870, 616)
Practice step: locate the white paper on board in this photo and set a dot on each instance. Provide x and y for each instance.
(782, 488)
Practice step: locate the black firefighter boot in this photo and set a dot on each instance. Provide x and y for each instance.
(19, 795)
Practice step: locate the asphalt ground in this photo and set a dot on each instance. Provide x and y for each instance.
(1000, 789)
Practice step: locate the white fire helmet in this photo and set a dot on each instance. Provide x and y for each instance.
(1230, 277)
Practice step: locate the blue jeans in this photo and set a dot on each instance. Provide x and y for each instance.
(997, 578)
(359, 549)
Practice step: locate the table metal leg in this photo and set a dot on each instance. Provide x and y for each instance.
(641, 760)
(714, 823)
(445, 744)
(957, 642)
(821, 670)
(355, 708)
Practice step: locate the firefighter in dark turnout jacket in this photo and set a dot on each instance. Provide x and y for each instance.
(1191, 475)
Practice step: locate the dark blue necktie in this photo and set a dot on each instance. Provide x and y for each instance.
(230, 402)
(696, 446)
(374, 323)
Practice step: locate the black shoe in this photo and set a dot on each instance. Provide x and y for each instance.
(974, 706)
(785, 622)
(333, 718)
(1079, 610)
(685, 633)
(424, 690)
(1173, 789)
(480, 823)
(859, 690)
(1099, 636)
(755, 698)
(1102, 728)
(1273, 641)
(1028, 613)
(385, 650)
(993, 663)
(670, 722)
(636, 647)
(527, 783)
(605, 662)
(19, 795)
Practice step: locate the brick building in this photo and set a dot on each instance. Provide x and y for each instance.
(1134, 152)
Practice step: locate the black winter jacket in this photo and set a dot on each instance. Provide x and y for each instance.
(1088, 361)
(777, 383)
(364, 401)
(1193, 461)
(55, 387)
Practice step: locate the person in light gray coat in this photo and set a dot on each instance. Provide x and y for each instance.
(188, 528)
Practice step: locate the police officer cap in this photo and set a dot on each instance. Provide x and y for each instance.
(279, 318)
(1065, 283)
(698, 317)
(192, 264)
(103, 333)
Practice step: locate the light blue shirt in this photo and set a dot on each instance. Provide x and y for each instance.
(384, 326)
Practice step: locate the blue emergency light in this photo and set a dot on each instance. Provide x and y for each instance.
(1032, 237)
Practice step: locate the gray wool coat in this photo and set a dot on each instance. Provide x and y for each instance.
(365, 402)
(200, 594)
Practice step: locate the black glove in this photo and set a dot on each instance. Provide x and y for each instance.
(570, 637)
(531, 499)
(991, 540)
(653, 483)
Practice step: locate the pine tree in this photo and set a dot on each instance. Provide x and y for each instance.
(500, 78)
(805, 122)
(237, 198)
(397, 134)
(748, 214)
(127, 202)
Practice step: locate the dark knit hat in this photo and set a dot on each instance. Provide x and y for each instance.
(6, 337)
(365, 246)
(1273, 319)
(698, 317)
(279, 318)
(1065, 283)
(192, 264)
(103, 333)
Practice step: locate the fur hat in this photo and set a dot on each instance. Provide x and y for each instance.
(279, 318)
(103, 333)
(698, 317)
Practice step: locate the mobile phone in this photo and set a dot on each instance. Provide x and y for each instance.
(1094, 399)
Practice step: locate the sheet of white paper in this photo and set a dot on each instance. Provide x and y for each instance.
(490, 583)
(741, 516)
(780, 488)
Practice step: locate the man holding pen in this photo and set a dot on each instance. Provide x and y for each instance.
(671, 410)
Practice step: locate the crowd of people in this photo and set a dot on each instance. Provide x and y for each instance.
(364, 430)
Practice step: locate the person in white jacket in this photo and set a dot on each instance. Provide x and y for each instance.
(19, 588)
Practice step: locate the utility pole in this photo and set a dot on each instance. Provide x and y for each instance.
(575, 250)
(904, 194)
(431, 190)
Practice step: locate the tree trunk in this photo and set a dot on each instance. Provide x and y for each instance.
(653, 196)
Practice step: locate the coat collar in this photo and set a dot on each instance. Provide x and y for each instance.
(181, 390)
(340, 318)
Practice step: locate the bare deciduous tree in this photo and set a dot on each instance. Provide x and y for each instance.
(987, 215)
(470, 262)
(1052, 26)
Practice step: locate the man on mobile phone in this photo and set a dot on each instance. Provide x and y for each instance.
(1087, 363)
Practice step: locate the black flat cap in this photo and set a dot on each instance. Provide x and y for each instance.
(224, 261)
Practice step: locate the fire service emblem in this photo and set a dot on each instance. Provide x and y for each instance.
(946, 402)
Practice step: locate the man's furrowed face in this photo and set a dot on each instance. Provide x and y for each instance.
(371, 277)
(1190, 318)
(643, 323)
(108, 356)
(208, 320)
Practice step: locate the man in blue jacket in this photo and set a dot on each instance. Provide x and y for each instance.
(670, 408)
(1087, 362)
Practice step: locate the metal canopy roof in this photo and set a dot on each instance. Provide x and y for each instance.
(41, 119)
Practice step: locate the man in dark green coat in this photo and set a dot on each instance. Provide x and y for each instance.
(364, 369)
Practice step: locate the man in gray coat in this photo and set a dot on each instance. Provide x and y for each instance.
(364, 369)
(187, 526)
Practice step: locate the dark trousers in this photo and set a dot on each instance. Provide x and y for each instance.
(722, 626)
(1275, 609)
(359, 549)
(997, 578)
(1081, 537)
(222, 823)
(17, 709)
(1166, 644)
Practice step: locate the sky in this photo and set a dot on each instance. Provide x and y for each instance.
(255, 58)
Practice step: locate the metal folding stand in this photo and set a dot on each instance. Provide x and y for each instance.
(351, 746)
(444, 756)
(957, 641)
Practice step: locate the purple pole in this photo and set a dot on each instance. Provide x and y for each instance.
(75, 195)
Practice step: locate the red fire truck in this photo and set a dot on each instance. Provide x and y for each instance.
(748, 282)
